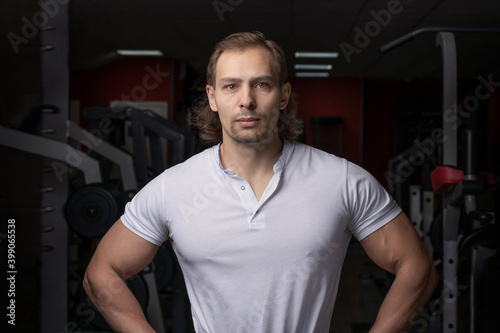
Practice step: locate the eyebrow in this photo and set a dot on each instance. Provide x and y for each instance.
(238, 80)
(229, 79)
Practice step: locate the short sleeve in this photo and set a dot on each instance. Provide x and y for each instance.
(370, 206)
(144, 213)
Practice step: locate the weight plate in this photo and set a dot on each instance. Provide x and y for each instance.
(164, 266)
(91, 211)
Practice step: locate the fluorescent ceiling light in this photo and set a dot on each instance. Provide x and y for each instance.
(316, 54)
(312, 74)
(150, 53)
(313, 67)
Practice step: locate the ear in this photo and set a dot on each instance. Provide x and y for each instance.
(211, 98)
(286, 91)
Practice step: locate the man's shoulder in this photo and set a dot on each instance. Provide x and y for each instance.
(195, 165)
(304, 152)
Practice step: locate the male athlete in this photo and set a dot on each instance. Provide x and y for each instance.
(260, 224)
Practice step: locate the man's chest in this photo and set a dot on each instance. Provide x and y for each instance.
(284, 230)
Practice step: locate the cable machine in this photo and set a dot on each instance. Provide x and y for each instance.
(458, 187)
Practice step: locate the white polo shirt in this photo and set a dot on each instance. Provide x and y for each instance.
(261, 266)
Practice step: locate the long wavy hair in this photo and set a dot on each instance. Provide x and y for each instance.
(207, 123)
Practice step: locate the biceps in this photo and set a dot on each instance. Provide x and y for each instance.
(394, 244)
(123, 251)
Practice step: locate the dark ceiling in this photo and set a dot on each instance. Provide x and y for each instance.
(187, 30)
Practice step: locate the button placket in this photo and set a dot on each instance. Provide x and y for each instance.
(247, 197)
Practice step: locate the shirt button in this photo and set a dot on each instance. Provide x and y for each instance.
(242, 187)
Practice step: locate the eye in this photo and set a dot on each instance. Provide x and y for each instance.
(230, 87)
(263, 85)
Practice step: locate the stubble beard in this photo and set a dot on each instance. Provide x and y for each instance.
(255, 135)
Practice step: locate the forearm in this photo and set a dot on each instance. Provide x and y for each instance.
(410, 291)
(110, 294)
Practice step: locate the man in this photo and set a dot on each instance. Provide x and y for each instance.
(260, 225)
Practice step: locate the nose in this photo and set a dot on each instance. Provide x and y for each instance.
(247, 98)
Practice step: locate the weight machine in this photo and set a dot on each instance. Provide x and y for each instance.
(182, 142)
(458, 188)
(182, 146)
(92, 208)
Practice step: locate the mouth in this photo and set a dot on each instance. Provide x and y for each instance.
(247, 121)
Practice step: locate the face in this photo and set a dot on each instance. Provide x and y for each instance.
(247, 96)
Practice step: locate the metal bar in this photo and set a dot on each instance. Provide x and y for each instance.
(140, 156)
(109, 151)
(415, 208)
(53, 149)
(163, 127)
(451, 217)
(446, 41)
(428, 218)
(451, 214)
(55, 85)
(410, 36)
(154, 310)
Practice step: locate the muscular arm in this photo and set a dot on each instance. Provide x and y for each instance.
(397, 248)
(119, 255)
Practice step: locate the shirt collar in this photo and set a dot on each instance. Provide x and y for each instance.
(278, 166)
(285, 152)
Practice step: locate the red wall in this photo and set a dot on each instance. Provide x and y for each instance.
(133, 79)
(333, 97)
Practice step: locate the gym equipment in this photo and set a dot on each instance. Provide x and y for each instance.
(459, 188)
(142, 285)
(163, 270)
(415, 214)
(153, 311)
(401, 169)
(110, 152)
(52, 149)
(103, 204)
(182, 142)
(55, 72)
(164, 266)
(92, 210)
(428, 204)
(455, 190)
(54, 229)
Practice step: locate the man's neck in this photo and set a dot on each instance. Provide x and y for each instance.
(250, 160)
